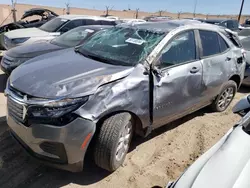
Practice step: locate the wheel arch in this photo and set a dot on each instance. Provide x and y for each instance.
(136, 120)
(236, 78)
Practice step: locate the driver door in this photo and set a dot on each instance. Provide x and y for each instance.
(178, 87)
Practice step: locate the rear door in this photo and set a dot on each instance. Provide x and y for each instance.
(218, 61)
(177, 89)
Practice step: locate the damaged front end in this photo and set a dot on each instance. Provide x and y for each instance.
(63, 96)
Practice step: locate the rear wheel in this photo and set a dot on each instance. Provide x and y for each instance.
(225, 97)
(113, 141)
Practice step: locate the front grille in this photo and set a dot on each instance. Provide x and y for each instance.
(15, 110)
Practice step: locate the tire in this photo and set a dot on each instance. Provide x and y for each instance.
(112, 133)
(227, 94)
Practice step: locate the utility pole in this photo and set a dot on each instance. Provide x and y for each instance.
(137, 13)
(13, 10)
(241, 8)
(195, 5)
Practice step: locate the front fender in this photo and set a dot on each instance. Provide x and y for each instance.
(128, 94)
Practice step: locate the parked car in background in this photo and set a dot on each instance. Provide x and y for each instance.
(244, 33)
(157, 18)
(110, 17)
(52, 29)
(246, 24)
(228, 23)
(44, 14)
(130, 21)
(18, 55)
(226, 164)
(244, 36)
(58, 102)
(198, 19)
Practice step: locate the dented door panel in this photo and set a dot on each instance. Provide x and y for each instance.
(177, 92)
(218, 70)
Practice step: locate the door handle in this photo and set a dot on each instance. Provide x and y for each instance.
(228, 59)
(194, 70)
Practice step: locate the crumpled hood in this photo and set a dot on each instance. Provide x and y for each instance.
(32, 50)
(26, 32)
(64, 73)
(227, 164)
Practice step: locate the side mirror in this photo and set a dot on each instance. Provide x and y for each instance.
(243, 106)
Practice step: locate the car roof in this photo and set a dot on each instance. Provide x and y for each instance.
(75, 17)
(164, 26)
(96, 27)
(218, 20)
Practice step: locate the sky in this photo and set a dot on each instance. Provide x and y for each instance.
(203, 6)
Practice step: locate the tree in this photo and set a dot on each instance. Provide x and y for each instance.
(13, 10)
(67, 8)
(108, 9)
(179, 14)
(207, 16)
(160, 12)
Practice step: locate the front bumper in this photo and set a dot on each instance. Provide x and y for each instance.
(61, 147)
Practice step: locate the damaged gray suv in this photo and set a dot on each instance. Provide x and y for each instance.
(123, 81)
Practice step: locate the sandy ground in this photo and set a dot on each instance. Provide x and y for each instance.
(153, 161)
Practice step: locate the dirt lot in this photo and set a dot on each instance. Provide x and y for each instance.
(152, 161)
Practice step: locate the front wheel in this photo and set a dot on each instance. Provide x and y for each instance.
(113, 141)
(225, 97)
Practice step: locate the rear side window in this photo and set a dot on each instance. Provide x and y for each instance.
(210, 43)
(71, 25)
(223, 45)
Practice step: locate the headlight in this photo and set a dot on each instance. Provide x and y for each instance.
(20, 40)
(57, 113)
(66, 102)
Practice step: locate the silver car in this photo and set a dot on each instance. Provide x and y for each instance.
(123, 81)
(226, 164)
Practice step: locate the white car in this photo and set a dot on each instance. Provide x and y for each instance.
(52, 29)
(129, 21)
(227, 163)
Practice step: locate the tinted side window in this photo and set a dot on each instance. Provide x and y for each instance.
(108, 22)
(223, 45)
(236, 24)
(71, 24)
(230, 24)
(181, 49)
(92, 22)
(210, 43)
